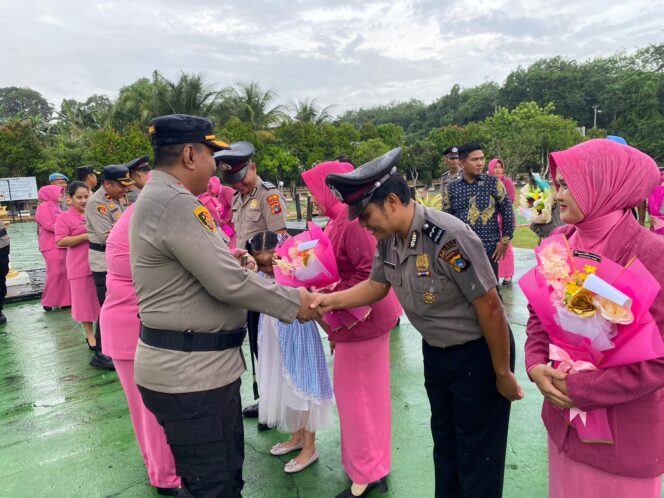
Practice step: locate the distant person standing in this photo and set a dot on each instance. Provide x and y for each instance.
(88, 175)
(72, 234)
(258, 206)
(477, 199)
(56, 293)
(101, 212)
(453, 173)
(506, 265)
(139, 170)
(4, 269)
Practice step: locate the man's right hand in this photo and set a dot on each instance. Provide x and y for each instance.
(308, 311)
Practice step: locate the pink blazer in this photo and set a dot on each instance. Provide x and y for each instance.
(354, 248)
(119, 314)
(633, 395)
(45, 216)
(69, 223)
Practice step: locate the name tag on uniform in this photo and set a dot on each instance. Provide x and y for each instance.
(390, 265)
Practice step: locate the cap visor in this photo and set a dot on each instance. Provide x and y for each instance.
(236, 177)
(355, 210)
(126, 183)
(217, 144)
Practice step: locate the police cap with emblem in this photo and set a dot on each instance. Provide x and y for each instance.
(118, 173)
(183, 129)
(84, 171)
(235, 161)
(357, 187)
(140, 163)
(451, 152)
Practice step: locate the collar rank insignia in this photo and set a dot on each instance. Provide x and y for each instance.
(413, 239)
(433, 231)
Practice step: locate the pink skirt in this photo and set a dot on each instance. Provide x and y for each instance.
(84, 302)
(362, 391)
(56, 287)
(150, 435)
(506, 265)
(568, 478)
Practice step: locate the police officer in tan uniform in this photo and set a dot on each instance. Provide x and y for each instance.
(103, 209)
(192, 297)
(258, 206)
(139, 170)
(440, 272)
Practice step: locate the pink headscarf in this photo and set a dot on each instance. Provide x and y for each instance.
(224, 195)
(606, 179)
(509, 185)
(50, 193)
(314, 179)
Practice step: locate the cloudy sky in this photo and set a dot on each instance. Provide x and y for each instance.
(344, 53)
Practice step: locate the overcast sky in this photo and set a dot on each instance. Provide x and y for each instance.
(347, 54)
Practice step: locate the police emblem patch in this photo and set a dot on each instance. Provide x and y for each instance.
(205, 218)
(275, 205)
(101, 209)
(458, 262)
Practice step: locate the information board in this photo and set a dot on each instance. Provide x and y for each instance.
(18, 188)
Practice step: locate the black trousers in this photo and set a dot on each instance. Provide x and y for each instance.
(4, 269)
(99, 278)
(469, 420)
(205, 432)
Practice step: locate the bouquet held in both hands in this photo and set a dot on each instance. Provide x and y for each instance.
(597, 315)
(536, 203)
(307, 260)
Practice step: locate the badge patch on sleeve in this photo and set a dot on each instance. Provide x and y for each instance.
(101, 209)
(458, 262)
(275, 205)
(447, 248)
(205, 218)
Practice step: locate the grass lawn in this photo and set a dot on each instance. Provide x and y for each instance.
(525, 238)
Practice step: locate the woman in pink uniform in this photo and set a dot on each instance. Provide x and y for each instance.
(224, 196)
(56, 292)
(72, 234)
(506, 265)
(120, 323)
(362, 353)
(599, 181)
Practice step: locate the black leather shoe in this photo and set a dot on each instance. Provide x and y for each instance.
(380, 485)
(102, 361)
(263, 427)
(168, 491)
(3, 318)
(47, 308)
(250, 411)
(92, 348)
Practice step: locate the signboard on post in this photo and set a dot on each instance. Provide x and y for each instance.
(18, 188)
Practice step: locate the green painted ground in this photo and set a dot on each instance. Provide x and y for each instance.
(66, 431)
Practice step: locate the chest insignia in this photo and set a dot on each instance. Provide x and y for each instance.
(112, 205)
(429, 297)
(413, 240)
(422, 262)
(253, 204)
(205, 218)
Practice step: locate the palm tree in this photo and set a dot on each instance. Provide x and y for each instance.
(249, 103)
(306, 111)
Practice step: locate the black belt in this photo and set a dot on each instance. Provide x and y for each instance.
(98, 247)
(193, 341)
(3, 232)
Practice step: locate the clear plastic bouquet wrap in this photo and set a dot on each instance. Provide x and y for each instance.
(597, 315)
(535, 204)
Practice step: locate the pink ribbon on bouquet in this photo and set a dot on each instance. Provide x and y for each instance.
(594, 425)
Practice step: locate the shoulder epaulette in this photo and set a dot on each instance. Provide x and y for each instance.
(433, 231)
(269, 185)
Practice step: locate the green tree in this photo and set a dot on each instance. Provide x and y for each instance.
(23, 103)
(251, 104)
(367, 150)
(20, 148)
(307, 111)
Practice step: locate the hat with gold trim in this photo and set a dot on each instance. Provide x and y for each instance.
(118, 173)
(183, 129)
(357, 187)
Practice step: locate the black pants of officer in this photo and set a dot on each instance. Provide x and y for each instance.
(469, 420)
(99, 278)
(4, 269)
(205, 432)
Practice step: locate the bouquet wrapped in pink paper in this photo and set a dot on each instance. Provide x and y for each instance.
(597, 315)
(306, 260)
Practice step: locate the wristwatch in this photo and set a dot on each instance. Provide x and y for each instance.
(505, 240)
